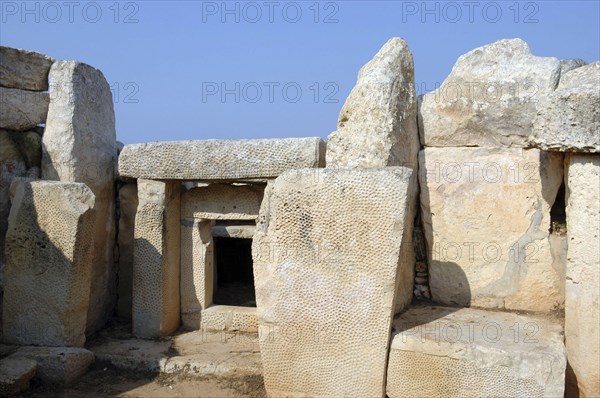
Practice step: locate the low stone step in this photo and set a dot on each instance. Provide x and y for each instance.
(15, 374)
(452, 352)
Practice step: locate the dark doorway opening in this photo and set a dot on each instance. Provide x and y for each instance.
(235, 277)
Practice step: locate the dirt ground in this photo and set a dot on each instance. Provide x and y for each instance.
(110, 382)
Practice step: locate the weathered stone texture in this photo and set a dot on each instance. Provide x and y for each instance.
(326, 256)
(197, 270)
(490, 98)
(222, 202)
(58, 365)
(377, 126)
(80, 146)
(449, 352)
(15, 375)
(582, 307)
(22, 110)
(570, 64)
(24, 69)
(220, 159)
(128, 198)
(569, 118)
(48, 269)
(486, 215)
(229, 318)
(156, 303)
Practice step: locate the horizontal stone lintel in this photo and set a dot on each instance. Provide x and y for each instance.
(220, 160)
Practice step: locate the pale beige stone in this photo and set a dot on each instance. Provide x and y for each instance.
(128, 199)
(490, 98)
(24, 69)
(48, 269)
(80, 146)
(156, 303)
(197, 270)
(220, 159)
(451, 352)
(222, 202)
(58, 365)
(326, 255)
(569, 118)
(22, 110)
(582, 306)
(486, 216)
(15, 374)
(229, 318)
(377, 126)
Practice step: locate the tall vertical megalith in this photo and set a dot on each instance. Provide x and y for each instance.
(79, 145)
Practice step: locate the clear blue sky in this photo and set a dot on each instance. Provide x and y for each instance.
(168, 62)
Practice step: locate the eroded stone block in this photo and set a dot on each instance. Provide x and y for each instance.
(582, 308)
(326, 256)
(15, 375)
(128, 199)
(22, 110)
(24, 69)
(58, 365)
(156, 303)
(220, 159)
(450, 352)
(222, 202)
(486, 216)
(48, 269)
(80, 146)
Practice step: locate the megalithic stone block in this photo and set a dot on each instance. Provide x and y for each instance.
(48, 270)
(582, 302)
(79, 145)
(21, 109)
(24, 69)
(326, 256)
(156, 303)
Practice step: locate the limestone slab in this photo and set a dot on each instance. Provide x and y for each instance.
(80, 146)
(48, 272)
(569, 118)
(451, 352)
(220, 159)
(128, 201)
(490, 97)
(15, 374)
(22, 110)
(58, 365)
(156, 302)
(222, 202)
(326, 256)
(229, 318)
(377, 126)
(24, 69)
(486, 216)
(582, 306)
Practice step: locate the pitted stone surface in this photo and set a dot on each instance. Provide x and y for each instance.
(230, 318)
(220, 159)
(128, 199)
(58, 365)
(15, 374)
(569, 118)
(156, 303)
(80, 146)
(326, 256)
(490, 98)
(377, 126)
(197, 272)
(222, 202)
(486, 216)
(22, 110)
(48, 269)
(450, 352)
(24, 69)
(582, 308)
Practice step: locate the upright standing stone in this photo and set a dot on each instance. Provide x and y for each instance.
(156, 259)
(24, 69)
(582, 306)
(128, 198)
(569, 118)
(326, 256)
(486, 215)
(80, 146)
(48, 269)
(377, 127)
(490, 98)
